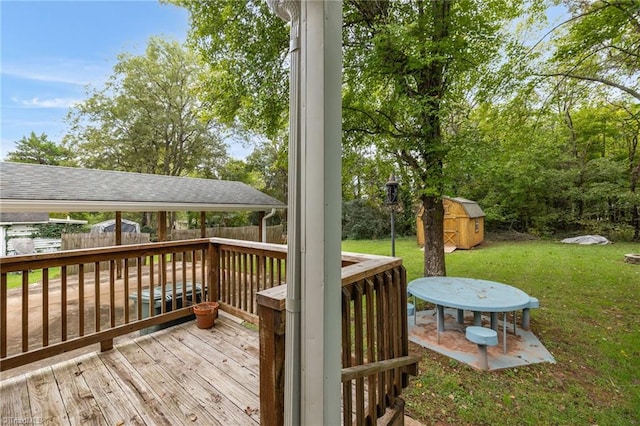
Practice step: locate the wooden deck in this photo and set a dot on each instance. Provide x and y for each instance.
(178, 376)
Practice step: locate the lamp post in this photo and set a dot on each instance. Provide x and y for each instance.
(392, 201)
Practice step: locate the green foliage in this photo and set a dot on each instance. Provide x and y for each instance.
(540, 171)
(601, 46)
(449, 97)
(229, 219)
(147, 118)
(362, 220)
(55, 230)
(406, 64)
(40, 150)
(245, 46)
(269, 161)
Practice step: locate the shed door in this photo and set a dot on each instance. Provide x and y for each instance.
(450, 231)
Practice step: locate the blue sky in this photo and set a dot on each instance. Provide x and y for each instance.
(51, 50)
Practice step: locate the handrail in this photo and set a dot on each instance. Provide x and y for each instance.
(121, 280)
(375, 354)
(105, 299)
(97, 303)
(364, 370)
(243, 269)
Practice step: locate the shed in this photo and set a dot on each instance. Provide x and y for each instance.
(110, 226)
(463, 224)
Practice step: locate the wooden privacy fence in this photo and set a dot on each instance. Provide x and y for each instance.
(375, 342)
(105, 239)
(246, 233)
(78, 241)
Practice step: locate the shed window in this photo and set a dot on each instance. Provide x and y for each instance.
(477, 224)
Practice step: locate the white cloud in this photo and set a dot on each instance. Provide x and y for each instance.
(58, 70)
(47, 103)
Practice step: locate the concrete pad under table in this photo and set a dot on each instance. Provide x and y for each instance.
(522, 349)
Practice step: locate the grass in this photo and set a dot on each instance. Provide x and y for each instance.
(14, 280)
(589, 319)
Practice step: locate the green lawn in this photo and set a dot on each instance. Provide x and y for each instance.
(589, 319)
(14, 280)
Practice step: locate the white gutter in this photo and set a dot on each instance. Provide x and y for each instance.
(289, 11)
(264, 225)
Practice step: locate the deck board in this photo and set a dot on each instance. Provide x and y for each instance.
(73, 387)
(178, 376)
(45, 399)
(241, 395)
(15, 403)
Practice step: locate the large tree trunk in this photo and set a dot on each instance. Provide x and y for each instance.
(433, 220)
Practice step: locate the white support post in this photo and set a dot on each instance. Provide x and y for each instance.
(312, 355)
(321, 75)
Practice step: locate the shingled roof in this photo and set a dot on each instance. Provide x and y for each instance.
(39, 188)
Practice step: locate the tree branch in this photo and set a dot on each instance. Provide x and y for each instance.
(604, 81)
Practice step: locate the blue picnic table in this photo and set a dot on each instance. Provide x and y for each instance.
(469, 294)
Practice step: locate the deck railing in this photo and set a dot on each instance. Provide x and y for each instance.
(244, 269)
(375, 353)
(68, 300)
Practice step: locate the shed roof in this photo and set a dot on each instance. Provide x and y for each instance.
(40, 188)
(472, 208)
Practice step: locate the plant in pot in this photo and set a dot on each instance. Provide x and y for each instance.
(206, 314)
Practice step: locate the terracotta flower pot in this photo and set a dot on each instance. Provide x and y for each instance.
(206, 313)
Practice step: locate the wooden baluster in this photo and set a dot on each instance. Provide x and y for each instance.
(126, 290)
(203, 271)
(45, 306)
(96, 295)
(252, 283)
(347, 392)
(373, 403)
(271, 273)
(80, 298)
(214, 273)
(3, 314)
(359, 349)
(25, 311)
(112, 293)
(152, 288)
(64, 288)
(162, 282)
(184, 282)
(174, 288)
(381, 340)
(194, 272)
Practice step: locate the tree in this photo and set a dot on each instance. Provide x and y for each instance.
(148, 119)
(601, 45)
(39, 150)
(246, 47)
(405, 63)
